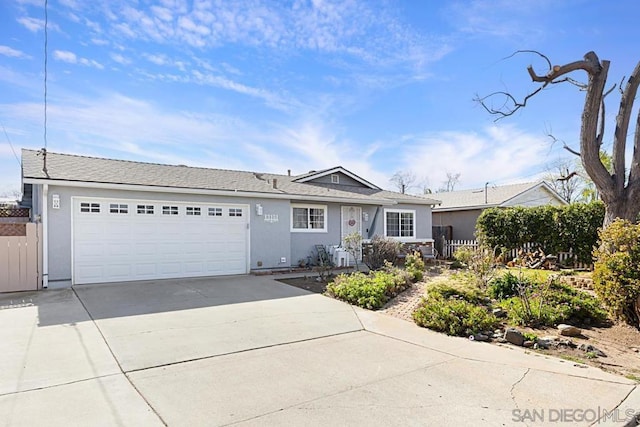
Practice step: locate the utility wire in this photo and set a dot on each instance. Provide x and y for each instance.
(46, 41)
(11, 145)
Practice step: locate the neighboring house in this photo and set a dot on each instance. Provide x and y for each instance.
(110, 220)
(455, 218)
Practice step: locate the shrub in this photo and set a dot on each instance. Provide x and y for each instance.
(480, 261)
(454, 317)
(414, 265)
(380, 249)
(553, 228)
(371, 290)
(457, 286)
(547, 304)
(506, 286)
(616, 275)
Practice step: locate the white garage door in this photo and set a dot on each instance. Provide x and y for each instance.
(122, 240)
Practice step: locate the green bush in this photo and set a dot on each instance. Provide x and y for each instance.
(552, 303)
(506, 286)
(616, 275)
(457, 286)
(371, 290)
(454, 317)
(414, 265)
(553, 228)
(378, 251)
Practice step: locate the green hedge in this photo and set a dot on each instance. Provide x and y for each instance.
(554, 228)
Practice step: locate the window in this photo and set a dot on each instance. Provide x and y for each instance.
(145, 209)
(169, 210)
(116, 208)
(335, 179)
(193, 211)
(90, 207)
(235, 211)
(400, 223)
(215, 211)
(310, 218)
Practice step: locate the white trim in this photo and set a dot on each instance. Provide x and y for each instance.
(45, 236)
(309, 230)
(230, 193)
(401, 211)
(129, 200)
(351, 175)
(541, 184)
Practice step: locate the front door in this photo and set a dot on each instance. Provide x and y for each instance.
(351, 222)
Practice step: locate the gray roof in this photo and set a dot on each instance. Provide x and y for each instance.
(82, 169)
(495, 196)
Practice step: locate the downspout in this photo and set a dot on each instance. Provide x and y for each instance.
(45, 236)
(372, 227)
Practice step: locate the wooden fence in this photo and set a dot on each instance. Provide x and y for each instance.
(20, 257)
(449, 247)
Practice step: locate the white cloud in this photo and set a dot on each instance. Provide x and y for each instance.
(120, 59)
(8, 51)
(499, 154)
(65, 56)
(72, 58)
(370, 32)
(32, 24)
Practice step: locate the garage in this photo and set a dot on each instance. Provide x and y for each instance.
(127, 239)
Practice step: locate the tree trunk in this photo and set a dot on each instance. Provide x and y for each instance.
(621, 208)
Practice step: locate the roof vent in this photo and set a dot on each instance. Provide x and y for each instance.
(275, 183)
(288, 172)
(312, 171)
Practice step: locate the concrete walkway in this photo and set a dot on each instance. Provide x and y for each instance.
(253, 351)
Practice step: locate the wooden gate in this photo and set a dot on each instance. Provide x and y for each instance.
(20, 257)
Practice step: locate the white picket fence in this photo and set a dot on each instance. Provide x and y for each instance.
(449, 247)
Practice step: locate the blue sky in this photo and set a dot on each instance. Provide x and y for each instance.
(374, 86)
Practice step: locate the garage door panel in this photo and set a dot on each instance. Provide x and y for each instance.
(112, 246)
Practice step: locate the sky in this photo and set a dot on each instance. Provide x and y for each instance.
(374, 86)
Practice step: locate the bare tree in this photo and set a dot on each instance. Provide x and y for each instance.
(403, 180)
(619, 192)
(563, 177)
(450, 183)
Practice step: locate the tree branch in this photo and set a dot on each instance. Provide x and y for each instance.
(622, 126)
(564, 145)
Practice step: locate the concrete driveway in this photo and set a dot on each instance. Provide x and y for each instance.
(252, 351)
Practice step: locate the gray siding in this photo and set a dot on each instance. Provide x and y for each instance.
(344, 180)
(267, 240)
(463, 223)
(423, 219)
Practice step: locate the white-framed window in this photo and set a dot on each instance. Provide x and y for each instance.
(400, 223)
(235, 211)
(144, 209)
(309, 218)
(169, 210)
(335, 178)
(193, 211)
(90, 207)
(118, 208)
(215, 211)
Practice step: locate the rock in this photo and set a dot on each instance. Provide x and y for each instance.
(501, 340)
(546, 342)
(568, 330)
(588, 348)
(498, 312)
(528, 344)
(514, 336)
(566, 342)
(479, 337)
